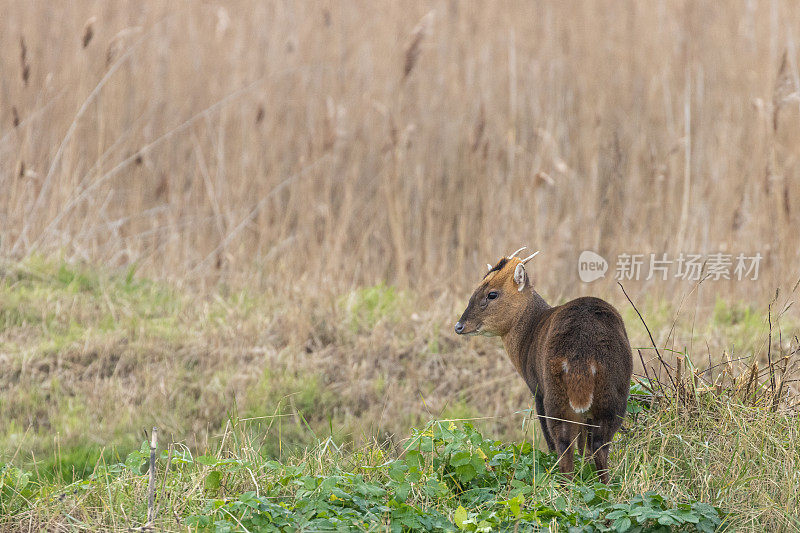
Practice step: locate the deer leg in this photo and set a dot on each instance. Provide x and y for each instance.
(601, 459)
(543, 422)
(600, 443)
(566, 434)
(583, 442)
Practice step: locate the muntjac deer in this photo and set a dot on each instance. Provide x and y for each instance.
(575, 358)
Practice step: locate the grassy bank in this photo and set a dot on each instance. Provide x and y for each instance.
(724, 468)
(279, 399)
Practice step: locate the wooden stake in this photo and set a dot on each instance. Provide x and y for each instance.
(151, 484)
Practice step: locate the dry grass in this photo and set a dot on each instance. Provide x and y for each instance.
(346, 143)
(116, 353)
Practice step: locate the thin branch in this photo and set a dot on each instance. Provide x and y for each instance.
(661, 359)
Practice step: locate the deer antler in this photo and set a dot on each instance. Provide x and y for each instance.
(518, 251)
(529, 257)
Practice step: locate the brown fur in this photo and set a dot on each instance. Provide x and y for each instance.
(575, 359)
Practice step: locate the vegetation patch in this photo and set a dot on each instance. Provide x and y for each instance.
(366, 306)
(449, 477)
(279, 416)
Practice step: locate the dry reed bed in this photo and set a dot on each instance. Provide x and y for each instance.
(344, 143)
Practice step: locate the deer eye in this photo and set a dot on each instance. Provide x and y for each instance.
(492, 295)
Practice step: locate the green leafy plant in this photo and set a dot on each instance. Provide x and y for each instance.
(449, 478)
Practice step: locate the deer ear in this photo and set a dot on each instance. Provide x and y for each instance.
(520, 277)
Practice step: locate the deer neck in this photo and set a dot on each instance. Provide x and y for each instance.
(520, 337)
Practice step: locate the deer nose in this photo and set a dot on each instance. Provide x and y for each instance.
(459, 327)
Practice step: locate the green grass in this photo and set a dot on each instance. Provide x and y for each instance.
(448, 477)
(75, 463)
(366, 306)
(672, 470)
(91, 356)
(290, 400)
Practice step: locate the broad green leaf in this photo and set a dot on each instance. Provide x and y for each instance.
(466, 473)
(622, 524)
(397, 471)
(478, 463)
(515, 504)
(560, 504)
(213, 480)
(402, 491)
(459, 517)
(667, 520)
(460, 458)
(208, 460)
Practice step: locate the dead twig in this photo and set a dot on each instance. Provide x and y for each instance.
(658, 353)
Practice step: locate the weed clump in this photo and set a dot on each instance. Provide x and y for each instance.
(449, 477)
